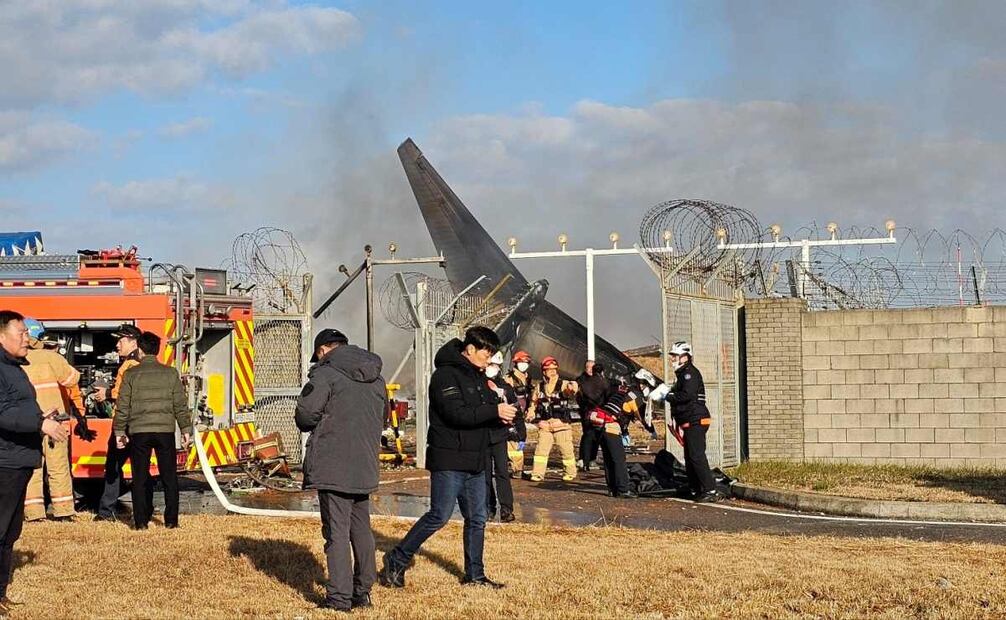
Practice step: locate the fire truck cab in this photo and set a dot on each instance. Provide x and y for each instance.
(205, 323)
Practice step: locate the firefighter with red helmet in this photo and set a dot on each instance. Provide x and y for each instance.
(520, 380)
(551, 408)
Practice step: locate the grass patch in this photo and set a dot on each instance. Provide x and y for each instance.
(246, 567)
(888, 482)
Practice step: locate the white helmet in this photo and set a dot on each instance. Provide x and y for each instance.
(497, 359)
(681, 348)
(646, 376)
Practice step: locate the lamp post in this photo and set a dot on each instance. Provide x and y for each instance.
(588, 254)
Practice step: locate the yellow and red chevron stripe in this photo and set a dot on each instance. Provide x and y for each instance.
(244, 364)
(221, 445)
(168, 354)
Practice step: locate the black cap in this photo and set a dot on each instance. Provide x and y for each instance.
(127, 331)
(327, 336)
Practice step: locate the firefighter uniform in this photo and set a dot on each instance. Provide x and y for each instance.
(551, 407)
(521, 384)
(116, 458)
(55, 382)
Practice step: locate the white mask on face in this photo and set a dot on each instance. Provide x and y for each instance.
(522, 366)
(492, 371)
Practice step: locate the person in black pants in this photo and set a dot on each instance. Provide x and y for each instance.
(497, 461)
(593, 391)
(151, 402)
(462, 410)
(22, 425)
(342, 406)
(688, 406)
(608, 420)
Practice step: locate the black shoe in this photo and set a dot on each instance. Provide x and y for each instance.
(483, 581)
(627, 495)
(63, 519)
(361, 600)
(329, 604)
(110, 518)
(139, 526)
(709, 497)
(392, 574)
(171, 526)
(507, 517)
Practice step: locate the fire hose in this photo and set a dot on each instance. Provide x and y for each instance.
(245, 510)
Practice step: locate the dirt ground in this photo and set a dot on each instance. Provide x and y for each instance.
(246, 567)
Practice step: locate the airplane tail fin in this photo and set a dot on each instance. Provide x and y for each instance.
(468, 249)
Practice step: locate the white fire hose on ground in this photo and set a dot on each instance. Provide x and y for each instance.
(255, 512)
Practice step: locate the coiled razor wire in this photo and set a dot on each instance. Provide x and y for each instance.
(272, 260)
(470, 309)
(929, 268)
(925, 268)
(686, 224)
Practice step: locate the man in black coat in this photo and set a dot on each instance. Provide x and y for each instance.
(462, 411)
(342, 406)
(22, 425)
(594, 390)
(688, 407)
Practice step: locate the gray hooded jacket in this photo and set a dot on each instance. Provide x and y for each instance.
(343, 406)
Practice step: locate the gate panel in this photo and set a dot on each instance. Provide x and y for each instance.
(709, 325)
(282, 348)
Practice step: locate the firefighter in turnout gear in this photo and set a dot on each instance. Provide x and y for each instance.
(550, 405)
(610, 418)
(130, 354)
(688, 407)
(497, 461)
(55, 382)
(519, 379)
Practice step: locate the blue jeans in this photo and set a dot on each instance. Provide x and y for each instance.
(447, 487)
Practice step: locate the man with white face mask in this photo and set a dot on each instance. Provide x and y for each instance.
(688, 406)
(519, 379)
(497, 475)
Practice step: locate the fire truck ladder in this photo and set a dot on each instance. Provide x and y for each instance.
(189, 328)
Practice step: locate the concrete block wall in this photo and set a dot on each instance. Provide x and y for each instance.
(775, 379)
(920, 386)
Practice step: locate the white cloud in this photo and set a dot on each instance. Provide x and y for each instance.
(72, 50)
(164, 196)
(26, 141)
(184, 128)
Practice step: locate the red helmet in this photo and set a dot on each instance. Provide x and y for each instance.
(549, 361)
(521, 356)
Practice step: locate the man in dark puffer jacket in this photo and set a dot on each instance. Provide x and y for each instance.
(462, 411)
(21, 426)
(342, 406)
(151, 402)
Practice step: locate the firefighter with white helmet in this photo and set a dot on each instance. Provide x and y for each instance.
(688, 407)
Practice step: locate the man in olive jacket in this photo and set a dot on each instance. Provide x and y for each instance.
(342, 406)
(151, 402)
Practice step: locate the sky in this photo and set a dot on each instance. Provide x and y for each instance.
(176, 125)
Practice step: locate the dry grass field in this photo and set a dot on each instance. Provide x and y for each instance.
(242, 567)
(885, 482)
